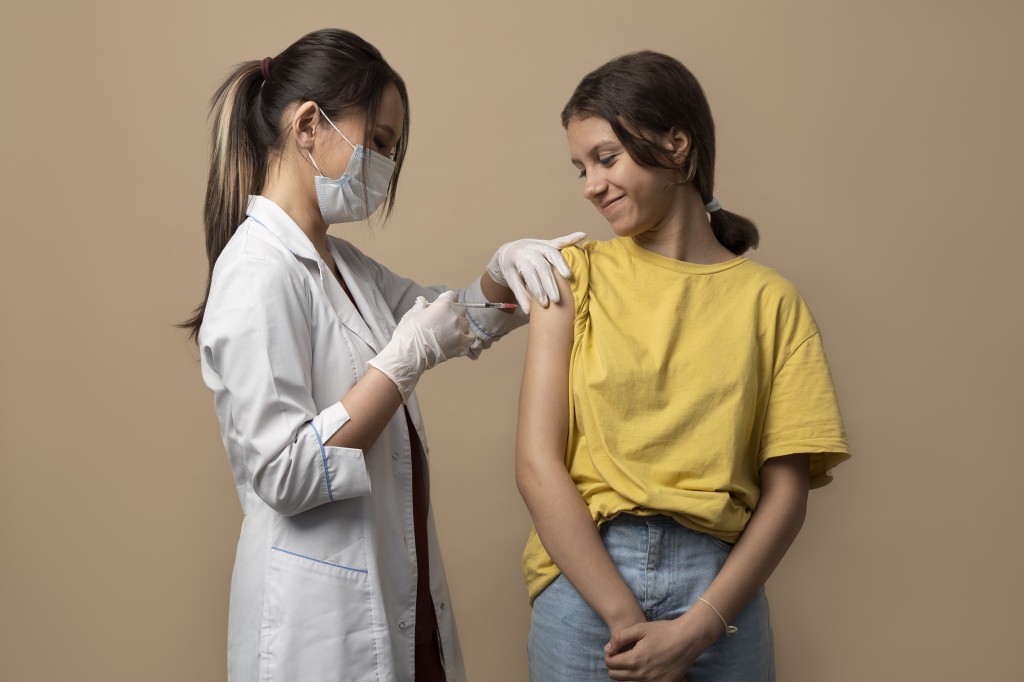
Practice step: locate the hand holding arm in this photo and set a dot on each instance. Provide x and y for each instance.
(525, 268)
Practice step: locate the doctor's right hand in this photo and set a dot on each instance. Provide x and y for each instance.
(425, 337)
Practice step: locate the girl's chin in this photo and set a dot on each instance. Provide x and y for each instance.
(623, 228)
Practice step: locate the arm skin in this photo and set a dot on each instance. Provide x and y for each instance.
(664, 650)
(561, 517)
(495, 292)
(373, 401)
(370, 404)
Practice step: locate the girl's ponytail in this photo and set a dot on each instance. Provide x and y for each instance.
(733, 231)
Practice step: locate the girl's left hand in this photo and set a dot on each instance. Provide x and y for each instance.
(657, 651)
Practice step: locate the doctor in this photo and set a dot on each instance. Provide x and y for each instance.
(312, 351)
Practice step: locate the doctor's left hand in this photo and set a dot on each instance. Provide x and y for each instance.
(525, 266)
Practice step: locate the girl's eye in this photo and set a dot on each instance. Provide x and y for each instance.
(380, 144)
(605, 161)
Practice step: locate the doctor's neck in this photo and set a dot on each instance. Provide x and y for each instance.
(289, 184)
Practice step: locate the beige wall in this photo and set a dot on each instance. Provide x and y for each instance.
(877, 144)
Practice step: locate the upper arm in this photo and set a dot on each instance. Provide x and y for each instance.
(257, 338)
(544, 397)
(786, 477)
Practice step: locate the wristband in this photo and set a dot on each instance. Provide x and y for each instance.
(729, 629)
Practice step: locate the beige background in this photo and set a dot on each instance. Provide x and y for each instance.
(877, 144)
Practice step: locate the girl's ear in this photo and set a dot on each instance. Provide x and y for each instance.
(304, 124)
(678, 144)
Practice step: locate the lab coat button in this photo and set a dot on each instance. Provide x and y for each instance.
(394, 455)
(402, 625)
(442, 606)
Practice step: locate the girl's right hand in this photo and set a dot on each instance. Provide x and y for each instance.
(659, 651)
(427, 335)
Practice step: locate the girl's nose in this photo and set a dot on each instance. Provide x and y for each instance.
(593, 185)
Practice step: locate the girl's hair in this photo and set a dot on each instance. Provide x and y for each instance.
(648, 92)
(338, 70)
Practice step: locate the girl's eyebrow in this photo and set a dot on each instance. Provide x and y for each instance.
(594, 149)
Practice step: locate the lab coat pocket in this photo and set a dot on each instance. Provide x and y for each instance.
(317, 621)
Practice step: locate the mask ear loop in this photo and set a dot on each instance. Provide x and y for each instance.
(310, 156)
(329, 121)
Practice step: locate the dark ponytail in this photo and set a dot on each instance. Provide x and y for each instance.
(649, 92)
(338, 70)
(735, 232)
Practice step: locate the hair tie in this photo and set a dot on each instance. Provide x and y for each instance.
(712, 205)
(265, 68)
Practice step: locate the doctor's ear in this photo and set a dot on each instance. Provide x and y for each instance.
(305, 120)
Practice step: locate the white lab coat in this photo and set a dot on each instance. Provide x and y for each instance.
(324, 582)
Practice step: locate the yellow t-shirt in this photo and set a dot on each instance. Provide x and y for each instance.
(683, 380)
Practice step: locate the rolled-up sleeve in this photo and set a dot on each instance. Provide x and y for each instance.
(257, 359)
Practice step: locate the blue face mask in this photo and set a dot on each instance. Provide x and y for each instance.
(353, 197)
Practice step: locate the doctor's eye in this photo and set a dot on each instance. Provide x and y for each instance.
(607, 160)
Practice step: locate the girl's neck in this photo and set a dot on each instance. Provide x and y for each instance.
(685, 234)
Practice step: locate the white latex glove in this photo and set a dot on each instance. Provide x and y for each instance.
(427, 335)
(525, 265)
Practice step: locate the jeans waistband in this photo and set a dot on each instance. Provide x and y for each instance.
(642, 519)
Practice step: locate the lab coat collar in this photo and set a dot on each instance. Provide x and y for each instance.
(273, 217)
(280, 224)
(368, 325)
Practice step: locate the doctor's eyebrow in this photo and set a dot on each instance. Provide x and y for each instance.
(386, 129)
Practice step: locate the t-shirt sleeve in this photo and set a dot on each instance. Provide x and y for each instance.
(579, 281)
(803, 413)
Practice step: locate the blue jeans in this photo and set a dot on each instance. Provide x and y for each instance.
(667, 566)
